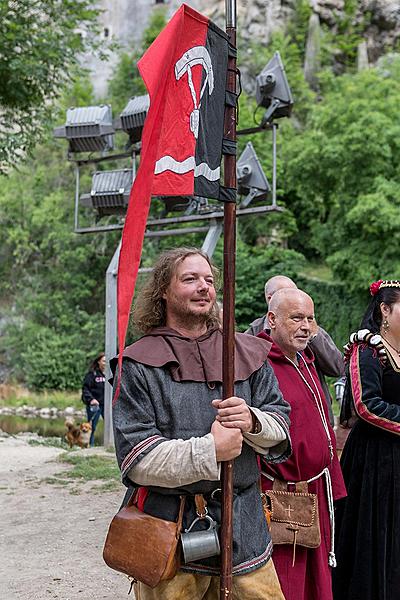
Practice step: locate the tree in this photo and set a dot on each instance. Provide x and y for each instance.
(338, 178)
(343, 178)
(53, 279)
(40, 42)
(253, 229)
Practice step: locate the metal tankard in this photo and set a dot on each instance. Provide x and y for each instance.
(200, 544)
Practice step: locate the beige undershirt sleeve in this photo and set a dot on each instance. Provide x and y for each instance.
(178, 462)
(272, 435)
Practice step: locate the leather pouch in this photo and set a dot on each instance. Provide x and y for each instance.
(142, 546)
(294, 517)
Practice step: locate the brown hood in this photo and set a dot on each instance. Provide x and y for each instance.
(198, 359)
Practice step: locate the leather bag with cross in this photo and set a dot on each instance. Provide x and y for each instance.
(294, 517)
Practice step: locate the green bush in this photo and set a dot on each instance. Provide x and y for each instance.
(44, 357)
(253, 267)
(54, 361)
(337, 310)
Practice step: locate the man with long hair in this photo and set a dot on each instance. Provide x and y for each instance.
(172, 429)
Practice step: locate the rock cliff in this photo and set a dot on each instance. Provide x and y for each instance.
(378, 20)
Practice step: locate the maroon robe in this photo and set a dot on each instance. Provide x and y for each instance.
(310, 577)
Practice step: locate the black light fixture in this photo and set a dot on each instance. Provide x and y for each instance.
(189, 205)
(110, 192)
(88, 129)
(131, 120)
(252, 182)
(273, 91)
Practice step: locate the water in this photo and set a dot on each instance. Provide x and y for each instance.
(14, 424)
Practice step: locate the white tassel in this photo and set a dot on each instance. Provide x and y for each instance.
(331, 556)
(332, 560)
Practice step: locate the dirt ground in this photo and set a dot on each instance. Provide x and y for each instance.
(51, 540)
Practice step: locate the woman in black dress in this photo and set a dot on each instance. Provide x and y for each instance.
(368, 520)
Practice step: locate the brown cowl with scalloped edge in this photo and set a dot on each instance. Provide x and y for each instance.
(198, 359)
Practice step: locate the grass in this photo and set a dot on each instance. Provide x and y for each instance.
(108, 486)
(55, 480)
(317, 271)
(54, 442)
(102, 470)
(17, 396)
(88, 468)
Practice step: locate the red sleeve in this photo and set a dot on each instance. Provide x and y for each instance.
(366, 387)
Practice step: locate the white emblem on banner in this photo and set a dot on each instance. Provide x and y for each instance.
(198, 55)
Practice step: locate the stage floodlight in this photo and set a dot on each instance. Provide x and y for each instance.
(273, 91)
(88, 129)
(110, 192)
(251, 179)
(189, 205)
(132, 118)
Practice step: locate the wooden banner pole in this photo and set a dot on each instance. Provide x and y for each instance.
(228, 359)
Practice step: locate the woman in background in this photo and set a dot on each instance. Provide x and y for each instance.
(93, 392)
(368, 520)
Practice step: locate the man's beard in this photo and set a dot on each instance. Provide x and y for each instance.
(191, 319)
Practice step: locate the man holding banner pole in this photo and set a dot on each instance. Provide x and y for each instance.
(172, 430)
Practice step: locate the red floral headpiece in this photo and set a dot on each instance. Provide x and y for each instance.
(374, 287)
(383, 283)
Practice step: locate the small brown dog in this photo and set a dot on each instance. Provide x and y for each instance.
(78, 435)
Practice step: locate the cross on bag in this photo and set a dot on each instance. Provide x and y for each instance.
(293, 515)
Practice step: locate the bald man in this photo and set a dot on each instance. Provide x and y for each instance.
(291, 321)
(304, 573)
(328, 358)
(277, 283)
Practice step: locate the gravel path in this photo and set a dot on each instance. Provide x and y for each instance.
(51, 540)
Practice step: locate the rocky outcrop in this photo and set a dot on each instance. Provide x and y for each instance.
(43, 413)
(312, 62)
(362, 56)
(257, 19)
(383, 31)
(379, 20)
(124, 20)
(329, 11)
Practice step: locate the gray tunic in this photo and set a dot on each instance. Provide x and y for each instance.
(153, 408)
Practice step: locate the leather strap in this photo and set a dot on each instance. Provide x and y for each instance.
(133, 498)
(180, 517)
(201, 505)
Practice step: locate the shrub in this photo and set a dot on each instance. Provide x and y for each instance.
(54, 361)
